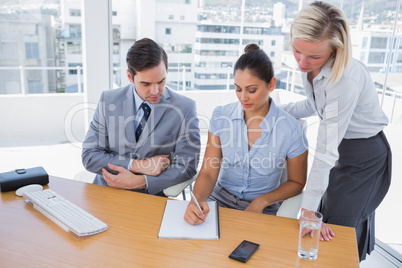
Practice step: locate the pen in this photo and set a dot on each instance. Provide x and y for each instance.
(195, 201)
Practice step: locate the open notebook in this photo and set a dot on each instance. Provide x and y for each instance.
(174, 226)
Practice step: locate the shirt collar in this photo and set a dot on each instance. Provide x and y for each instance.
(325, 70)
(138, 101)
(238, 113)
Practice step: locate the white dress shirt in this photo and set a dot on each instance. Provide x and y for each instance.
(139, 113)
(349, 109)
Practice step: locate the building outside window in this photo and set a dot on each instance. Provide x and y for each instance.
(379, 42)
(8, 46)
(75, 12)
(31, 51)
(74, 72)
(205, 46)
(34, 86)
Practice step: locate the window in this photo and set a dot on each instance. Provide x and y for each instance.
(116, 48)
(364, 42)
(31, 51)
(399, 60)
(34, 86)
(75, 31)
(376, 57)
(8, 46)
(31, 47)
(116, 35)
(233, 53)
(262, 30)
(254, 41)
(218, 29)
(74, 47)
(272, 54)
(379, 42)
(9, 85)
(59, 39)
(218, 41)
(75, 12)
(171, 17)
(363, 57)
(74, 71)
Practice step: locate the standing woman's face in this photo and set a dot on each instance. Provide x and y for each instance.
(311, 56)
(251, 91)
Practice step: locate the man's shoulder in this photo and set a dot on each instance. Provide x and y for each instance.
(117, 93)
(178, 99)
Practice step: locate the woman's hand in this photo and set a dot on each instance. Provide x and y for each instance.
(257, 205)
(193, 215)
(326, 233)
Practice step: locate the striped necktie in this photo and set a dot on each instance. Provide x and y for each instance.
(141, 125)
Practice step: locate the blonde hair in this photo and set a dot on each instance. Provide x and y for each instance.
(323, 21)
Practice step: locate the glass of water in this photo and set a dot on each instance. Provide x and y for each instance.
(309, 235)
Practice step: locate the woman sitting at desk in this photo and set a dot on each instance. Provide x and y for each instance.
(248, 143)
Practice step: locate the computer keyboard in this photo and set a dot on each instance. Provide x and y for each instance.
(64, 213)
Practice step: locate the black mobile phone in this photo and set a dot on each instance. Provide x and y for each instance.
(244, 251)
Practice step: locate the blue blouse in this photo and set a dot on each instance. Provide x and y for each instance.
(251, 173)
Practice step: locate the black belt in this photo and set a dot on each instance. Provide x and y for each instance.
(236, 197)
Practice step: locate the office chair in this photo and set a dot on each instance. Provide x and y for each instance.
(175, 190)
(290, 207)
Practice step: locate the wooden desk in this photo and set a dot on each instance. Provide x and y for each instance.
(29, 239)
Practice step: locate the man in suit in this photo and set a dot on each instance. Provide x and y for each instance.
(143, 137)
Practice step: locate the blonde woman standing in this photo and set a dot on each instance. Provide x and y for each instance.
(351, 171)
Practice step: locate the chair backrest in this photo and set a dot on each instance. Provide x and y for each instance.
(290, 207)
(174, 190)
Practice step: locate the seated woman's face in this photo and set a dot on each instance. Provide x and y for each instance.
(251, 91)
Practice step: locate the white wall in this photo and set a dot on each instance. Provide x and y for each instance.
(40, 119)
(57, 118)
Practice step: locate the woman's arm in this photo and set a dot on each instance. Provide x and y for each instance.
(297, 174)
(300, 109)
(205, 181)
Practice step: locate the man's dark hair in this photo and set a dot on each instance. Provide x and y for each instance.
(145, 54)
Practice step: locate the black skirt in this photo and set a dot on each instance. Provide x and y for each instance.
(357, 185)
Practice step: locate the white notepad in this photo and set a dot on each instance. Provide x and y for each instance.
(174, 226)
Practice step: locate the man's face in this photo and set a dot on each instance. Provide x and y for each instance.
(150, 83)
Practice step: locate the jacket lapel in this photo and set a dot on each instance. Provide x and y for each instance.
(129, 117)
(156, 115)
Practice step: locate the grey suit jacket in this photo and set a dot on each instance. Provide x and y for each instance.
(171, 127)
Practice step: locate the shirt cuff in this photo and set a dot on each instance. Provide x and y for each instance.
(146, 182)
(129, 164)
(310, 202)
(146, 179)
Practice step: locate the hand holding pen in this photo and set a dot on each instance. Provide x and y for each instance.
(196, 213)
